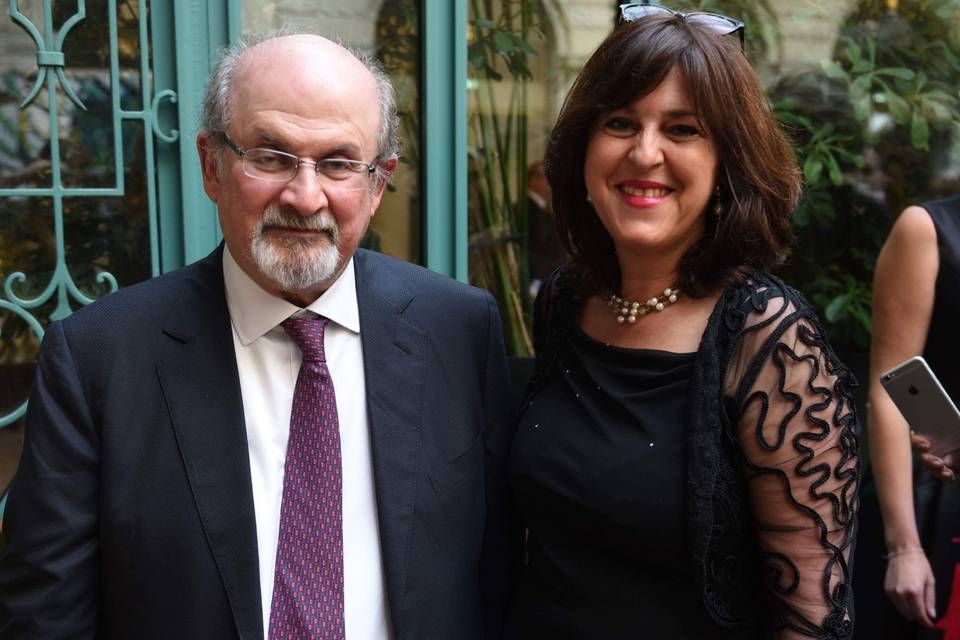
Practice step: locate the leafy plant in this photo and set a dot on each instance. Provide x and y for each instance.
(870, 125)
(500, 45)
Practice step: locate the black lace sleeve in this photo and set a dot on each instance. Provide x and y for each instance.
(795, 421)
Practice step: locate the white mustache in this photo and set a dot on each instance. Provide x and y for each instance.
(274, 216)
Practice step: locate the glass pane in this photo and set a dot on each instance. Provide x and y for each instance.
(388, 28)
(24, 134)
(111, 234)
(511, 106)
(87, 137)
(26, 246)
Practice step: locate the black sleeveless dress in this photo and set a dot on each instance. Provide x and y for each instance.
(938, 503)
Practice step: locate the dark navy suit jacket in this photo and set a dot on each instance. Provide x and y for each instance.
(131, 514)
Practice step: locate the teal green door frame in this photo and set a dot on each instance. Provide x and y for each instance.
(444, 169)
(188, 220)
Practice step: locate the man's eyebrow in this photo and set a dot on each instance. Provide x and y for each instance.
(278, 141)
(269, 138)
(347, 149)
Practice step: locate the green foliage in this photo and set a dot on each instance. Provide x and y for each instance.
(871, 126)
(499, 50)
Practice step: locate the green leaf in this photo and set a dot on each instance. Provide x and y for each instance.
(861, 108)
(861, 84)
(836, 176)
(835, 308)
(897, 72)
(476, 55)
(854, 52)
(483, 23)
(861, 66)
(939, 111)
(833, 69)
(937, 94)
(502, 42)
(919, 131)
(812, 169)
(526, 47)
(899, 108)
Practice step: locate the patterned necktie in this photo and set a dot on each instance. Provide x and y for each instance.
(308, 581)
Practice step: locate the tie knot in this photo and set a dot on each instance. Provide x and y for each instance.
(307, 332)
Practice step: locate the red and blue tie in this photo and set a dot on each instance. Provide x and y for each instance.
(308, 581)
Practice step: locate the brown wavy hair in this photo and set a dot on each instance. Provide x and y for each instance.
(758, 177)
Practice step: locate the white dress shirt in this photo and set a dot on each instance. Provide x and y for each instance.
(268, 362)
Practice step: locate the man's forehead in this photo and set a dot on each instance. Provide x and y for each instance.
(307, 56)
(309, 81)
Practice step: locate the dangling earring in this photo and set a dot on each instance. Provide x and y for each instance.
(589, 200)
(718, 212)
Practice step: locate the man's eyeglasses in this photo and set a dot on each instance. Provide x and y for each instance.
(713, 21)
(278, 166)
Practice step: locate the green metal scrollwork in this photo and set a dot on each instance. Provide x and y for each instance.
(38, 330)
(51, 74)
(174, 134)
(47, 58)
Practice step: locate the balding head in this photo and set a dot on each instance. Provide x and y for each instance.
(311, 61)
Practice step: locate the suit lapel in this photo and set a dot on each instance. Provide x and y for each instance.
(202, 391)
(393, 361)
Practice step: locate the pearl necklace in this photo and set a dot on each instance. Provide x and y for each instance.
(628, 310)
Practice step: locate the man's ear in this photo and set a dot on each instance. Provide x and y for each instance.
(386, 170)
(209, 166)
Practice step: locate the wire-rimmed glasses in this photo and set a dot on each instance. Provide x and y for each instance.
(714, 21)
(263, 163)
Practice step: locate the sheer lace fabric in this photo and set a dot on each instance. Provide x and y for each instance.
(772, 462)
(796, 429)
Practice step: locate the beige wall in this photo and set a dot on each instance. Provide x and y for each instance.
(17, 50)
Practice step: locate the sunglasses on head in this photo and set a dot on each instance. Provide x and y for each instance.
(712, 21)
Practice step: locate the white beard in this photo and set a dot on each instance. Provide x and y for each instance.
(296, 264)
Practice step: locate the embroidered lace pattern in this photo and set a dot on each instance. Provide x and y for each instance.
(773, 459)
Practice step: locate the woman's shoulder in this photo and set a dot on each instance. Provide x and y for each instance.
(760, 297)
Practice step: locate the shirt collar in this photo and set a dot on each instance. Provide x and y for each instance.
(254, 311)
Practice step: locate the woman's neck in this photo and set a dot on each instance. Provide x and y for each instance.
(640, 282)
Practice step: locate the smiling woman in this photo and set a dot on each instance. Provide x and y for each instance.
(687, 415)
(649, 171)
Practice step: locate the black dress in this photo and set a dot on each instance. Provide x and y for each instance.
(706, 495)
(938, 503)
(607, 556)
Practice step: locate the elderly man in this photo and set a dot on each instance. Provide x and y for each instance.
(292, 438)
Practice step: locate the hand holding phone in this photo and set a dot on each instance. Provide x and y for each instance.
(924, 404)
